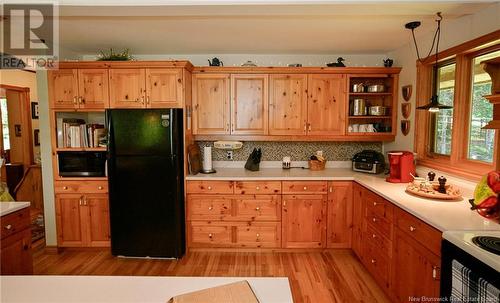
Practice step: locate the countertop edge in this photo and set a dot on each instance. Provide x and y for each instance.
(14, 207)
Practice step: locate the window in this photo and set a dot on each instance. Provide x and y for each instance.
(5, 123)
(481, 112)
(443, 120)
(454, 140)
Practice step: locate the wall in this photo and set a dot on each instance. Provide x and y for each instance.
(453, 32)
(298, 151)
(23, 79)
(267, 59)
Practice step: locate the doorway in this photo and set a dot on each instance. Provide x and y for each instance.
(21, 177)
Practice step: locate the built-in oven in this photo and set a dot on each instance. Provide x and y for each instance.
(82, 163)
(470, 268)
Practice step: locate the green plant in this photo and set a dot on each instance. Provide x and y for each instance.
(112, 56)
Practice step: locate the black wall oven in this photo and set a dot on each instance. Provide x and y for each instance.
(82, 163)
(464, 278)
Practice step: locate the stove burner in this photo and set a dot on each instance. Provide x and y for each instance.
(491, 244)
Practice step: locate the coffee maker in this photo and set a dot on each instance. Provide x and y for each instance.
(401, 167)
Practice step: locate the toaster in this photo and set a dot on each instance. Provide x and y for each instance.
(368, 161)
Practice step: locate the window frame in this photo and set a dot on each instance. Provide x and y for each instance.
(457, 162)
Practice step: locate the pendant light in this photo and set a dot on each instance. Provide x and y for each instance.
(434, 105)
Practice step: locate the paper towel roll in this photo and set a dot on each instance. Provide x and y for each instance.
(207, 158)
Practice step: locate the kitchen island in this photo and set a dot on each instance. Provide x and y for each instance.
(123, 289)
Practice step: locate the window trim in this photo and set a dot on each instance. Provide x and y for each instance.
(458, 162)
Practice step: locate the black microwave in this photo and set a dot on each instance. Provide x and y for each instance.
(82, 164)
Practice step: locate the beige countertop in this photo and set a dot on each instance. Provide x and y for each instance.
(443, 215)
(123, 289)
(10, 207)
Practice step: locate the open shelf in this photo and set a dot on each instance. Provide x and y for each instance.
(370, 117)
(370, 94)
(81, 149)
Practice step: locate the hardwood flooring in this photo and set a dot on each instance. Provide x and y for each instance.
(315, 277)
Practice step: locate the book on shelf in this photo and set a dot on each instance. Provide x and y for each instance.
(75, 133)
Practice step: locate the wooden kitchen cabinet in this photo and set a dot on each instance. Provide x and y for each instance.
(15, 244)
(288, 104)
(127, 87)
(211, 104)
(326, 104)
(82, 220)
(415, 270)
(357, 219)
(340, 214)
(249, 104)
(63, 88)
(78, 89)
(304, 221)
(93, 88)
(164, 88)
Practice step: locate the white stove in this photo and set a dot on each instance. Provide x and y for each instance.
(470, 266)
(464, 240)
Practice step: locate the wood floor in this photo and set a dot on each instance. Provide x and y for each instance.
(315, 277)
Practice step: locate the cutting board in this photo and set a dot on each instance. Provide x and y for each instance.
(194, 159)
(238, 292)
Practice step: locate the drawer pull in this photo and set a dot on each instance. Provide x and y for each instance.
(210, 207)
(375, 203)
(99, 187)
(305, 187)
(257, 188)
(209, 187)
(374, 219)
(210, 236)
(258, 235)
(65, 187)
(412, 229)
(257, 208)
(374, 261)
(8, 227)
(374, 236)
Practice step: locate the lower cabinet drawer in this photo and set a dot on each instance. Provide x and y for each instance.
(209, 207)
(377, 241)
(378, 264)
(15, 222)
(258, 208)
(78, 187)
(379, 224)
(207, 234)
(259, 235)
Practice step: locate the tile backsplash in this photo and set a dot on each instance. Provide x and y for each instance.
(298, 151)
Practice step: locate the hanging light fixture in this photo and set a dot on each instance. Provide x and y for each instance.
(434, 105)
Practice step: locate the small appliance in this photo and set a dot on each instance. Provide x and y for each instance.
(368, 161)
(81, 164)
(401, 167)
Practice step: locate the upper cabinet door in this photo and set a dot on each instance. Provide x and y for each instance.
(127, 88)
(211, 104)
(164, 88)
(326, 109)
(249, 102)
(288, 104)
(63, 88)
(93, 88)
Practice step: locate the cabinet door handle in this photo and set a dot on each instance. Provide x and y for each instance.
(309, 126)
(210, 207)
(80, 201)
(142, 100)
(305, 128)
(374, 261)
(284, 203)
(85, 201)
(412, 229)
(147, 100)
(75, 102)
(435, 273)
(8, 227)
(374, 219)
(257, 208)
(80, 100)
(331, 189)
(374, 236)
(375, 203)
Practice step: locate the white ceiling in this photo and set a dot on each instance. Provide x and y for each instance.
(363, 28)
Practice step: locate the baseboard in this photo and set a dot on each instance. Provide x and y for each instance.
(51, 250)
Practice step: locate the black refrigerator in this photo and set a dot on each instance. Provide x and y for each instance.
(146, 182)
